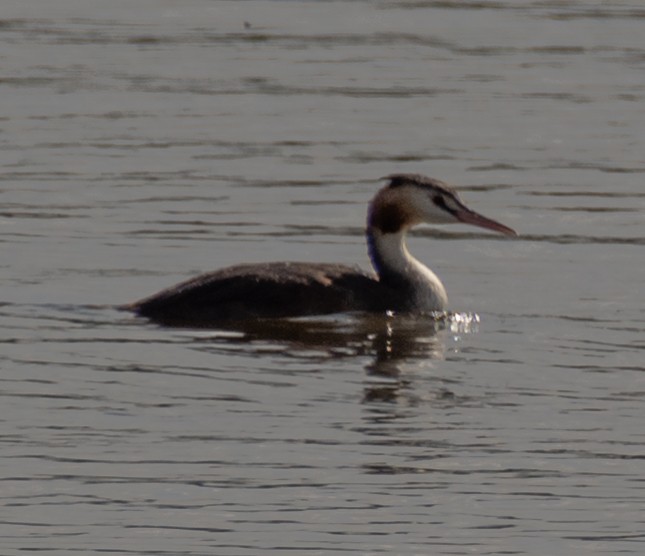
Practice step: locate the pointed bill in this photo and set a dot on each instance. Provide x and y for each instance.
(468, 216)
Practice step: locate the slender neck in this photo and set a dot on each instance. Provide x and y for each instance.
(397, 268)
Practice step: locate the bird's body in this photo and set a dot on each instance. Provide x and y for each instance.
(289, 289)
(269, 290)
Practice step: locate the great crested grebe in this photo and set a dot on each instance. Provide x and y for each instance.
(401, 284)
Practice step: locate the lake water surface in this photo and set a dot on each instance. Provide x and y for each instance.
(144, 142)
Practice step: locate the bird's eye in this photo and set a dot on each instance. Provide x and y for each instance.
(440, 201)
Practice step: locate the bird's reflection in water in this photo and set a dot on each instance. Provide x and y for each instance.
(390, 342)
(406, 340)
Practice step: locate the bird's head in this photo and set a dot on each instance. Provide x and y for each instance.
(411, 199)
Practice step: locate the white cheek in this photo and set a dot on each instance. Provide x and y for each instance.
(428, 211)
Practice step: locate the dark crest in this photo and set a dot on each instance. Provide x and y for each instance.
(418, 180)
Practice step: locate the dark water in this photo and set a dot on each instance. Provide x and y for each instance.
(144, 142)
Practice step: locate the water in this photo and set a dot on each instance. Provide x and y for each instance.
(144, 142)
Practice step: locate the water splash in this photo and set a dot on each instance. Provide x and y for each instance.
(463, 323)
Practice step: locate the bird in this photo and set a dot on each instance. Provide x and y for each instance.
(400, 284)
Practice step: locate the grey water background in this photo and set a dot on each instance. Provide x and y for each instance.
(143, 142)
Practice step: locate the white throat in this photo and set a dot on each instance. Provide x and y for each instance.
(392, 260)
